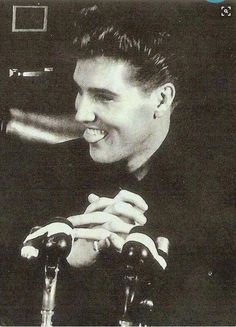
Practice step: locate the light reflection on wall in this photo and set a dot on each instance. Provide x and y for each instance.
(36, 127)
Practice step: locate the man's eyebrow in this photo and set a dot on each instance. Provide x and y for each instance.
(103, 91)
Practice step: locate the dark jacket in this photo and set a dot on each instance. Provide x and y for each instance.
(185, 205)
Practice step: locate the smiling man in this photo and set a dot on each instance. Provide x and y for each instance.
(123, 173)
(122, 120)
(124, 102)
(129, 173)
(112, 179)
(125, 165)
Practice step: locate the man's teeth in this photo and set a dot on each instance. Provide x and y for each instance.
(93, 131)
(93, 135)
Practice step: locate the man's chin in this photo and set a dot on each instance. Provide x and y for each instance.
(101, 156)
(97, 155)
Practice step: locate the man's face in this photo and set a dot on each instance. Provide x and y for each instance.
(116, 114)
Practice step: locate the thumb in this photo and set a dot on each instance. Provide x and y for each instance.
(117, 241)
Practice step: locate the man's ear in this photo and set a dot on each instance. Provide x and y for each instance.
(162, 98)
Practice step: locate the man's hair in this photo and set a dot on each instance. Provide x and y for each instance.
(150, 53)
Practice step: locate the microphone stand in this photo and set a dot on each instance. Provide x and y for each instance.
(55, 249)
(138, 303)
(131, 286)
(49, 293)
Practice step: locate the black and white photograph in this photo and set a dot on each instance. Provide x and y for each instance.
(117, 163)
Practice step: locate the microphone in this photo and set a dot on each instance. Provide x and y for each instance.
(145, 260)
(142, 247)
(53, 240)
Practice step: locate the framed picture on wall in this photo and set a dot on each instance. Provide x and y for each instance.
(29, 18)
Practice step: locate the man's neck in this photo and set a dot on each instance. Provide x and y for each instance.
(140, 165)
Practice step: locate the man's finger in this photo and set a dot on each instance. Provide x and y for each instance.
(113, 240)
(103, 244)
(133, 199)
(118, 227)
(91, 234)
(91, 218)
(93, 197)
(99, 204)
(116, 241)
(126, 210)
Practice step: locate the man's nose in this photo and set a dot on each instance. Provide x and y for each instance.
(84, 109)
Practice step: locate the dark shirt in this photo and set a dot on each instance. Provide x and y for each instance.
(197, 287)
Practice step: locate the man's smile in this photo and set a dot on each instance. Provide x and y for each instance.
(93, 135)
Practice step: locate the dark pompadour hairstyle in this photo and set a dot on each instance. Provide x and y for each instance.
(149, 52)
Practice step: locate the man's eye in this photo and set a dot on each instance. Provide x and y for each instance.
(103, 97)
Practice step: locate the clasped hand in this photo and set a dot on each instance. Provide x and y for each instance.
(107, 222)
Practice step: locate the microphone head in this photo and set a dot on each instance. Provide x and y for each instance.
(142, 252)
(53, 240)
(136, 254)
(58, 245)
